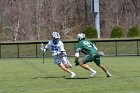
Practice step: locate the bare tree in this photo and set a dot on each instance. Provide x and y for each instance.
(36, 19)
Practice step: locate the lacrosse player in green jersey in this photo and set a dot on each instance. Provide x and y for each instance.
(91, 54)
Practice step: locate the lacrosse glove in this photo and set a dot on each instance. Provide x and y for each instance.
(43, 49)
(76, 62)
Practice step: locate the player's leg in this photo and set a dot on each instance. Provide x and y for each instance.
(62, 64)
(105, 70)
(83, 64)
(87, 67)
(66, 62)
(97, 61)
(67, 65)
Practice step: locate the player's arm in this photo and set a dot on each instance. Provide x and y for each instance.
(76, 59)
(63, 54)
(94, 46)
(100, 53)
(44, 49)
(62, 50)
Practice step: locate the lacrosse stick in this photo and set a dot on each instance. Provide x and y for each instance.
(101, 53)
(42, 46)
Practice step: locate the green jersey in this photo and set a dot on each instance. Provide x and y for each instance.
(86, 47)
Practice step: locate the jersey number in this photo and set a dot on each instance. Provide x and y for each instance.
(54, 49)
(87, 44)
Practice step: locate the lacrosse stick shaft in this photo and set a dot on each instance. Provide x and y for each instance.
(43, 57)
(42, 52)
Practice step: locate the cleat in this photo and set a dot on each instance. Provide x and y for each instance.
(73, 75)
(109, 75)
(93, 74)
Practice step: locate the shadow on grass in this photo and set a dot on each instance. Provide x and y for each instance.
(76, 78)
(48, 77)
(64, 77)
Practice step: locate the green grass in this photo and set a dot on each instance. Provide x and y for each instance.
(31, 76)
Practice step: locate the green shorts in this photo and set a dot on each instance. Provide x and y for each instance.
(90, 58)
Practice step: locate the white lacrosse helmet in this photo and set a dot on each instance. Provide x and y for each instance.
(81, 36)
(55, 37)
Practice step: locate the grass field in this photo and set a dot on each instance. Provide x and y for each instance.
(31, 76)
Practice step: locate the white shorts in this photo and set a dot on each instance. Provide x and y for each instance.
(58, 60)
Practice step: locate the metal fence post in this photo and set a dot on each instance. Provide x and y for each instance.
(138, 47)
(0, 51)
(116, 48)
(18, 50)
(36, 51)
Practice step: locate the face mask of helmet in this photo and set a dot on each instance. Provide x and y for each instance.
(56, 40)
(80, 36)
(56, 37)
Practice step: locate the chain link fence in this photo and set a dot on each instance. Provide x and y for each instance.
(116, 47)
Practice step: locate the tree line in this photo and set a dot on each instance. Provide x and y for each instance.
(36, 19)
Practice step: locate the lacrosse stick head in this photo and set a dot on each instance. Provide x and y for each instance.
(101, 53)
(42, 47)
(43, 50)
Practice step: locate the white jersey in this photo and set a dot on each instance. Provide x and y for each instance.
(56, 49)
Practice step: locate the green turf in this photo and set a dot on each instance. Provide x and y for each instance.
(31, 76)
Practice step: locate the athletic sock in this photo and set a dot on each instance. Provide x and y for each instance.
(107, 72)
(71, 72)
(93, 71)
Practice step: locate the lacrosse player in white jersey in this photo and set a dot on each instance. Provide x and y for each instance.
(59, 53)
